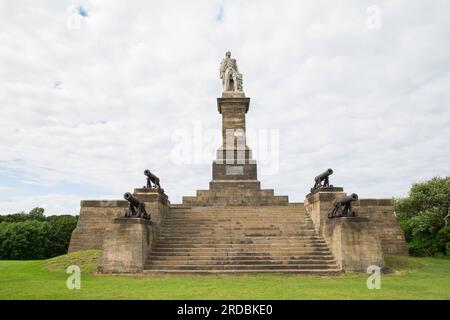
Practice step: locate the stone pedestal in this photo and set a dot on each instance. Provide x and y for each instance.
(354, 241)
(156, 204)
(234, 158)
(128, 241)
(319, 204)
(234, 172)
(126, 246)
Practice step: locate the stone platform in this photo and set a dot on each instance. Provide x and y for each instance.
(236, 226)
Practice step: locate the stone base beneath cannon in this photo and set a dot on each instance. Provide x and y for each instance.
(357, 242)
(354, 243)
(96, 216)
(126, 245)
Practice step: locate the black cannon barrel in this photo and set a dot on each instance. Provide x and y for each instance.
(347, 199)
(324, 174)
(150, 175)
(131, 199)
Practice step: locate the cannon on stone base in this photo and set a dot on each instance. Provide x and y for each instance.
(152, 180)
(136, 208)
(322, 180)
(343, 207)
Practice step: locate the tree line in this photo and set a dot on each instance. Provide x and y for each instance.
(32, 236)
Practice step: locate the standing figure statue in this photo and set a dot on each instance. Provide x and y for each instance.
(229, 73)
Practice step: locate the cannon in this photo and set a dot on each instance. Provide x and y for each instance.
(322, 180)
(152, 180)
(343, 207)
(136, 208)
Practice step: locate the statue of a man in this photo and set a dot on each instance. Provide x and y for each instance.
(229, 73)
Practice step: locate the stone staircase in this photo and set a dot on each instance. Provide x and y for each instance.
(214, 239)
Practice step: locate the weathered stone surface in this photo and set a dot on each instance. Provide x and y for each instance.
(380, 213)
(325, 189)
(98, 215)
(95, 217)
(354, 243)
(126, 245)
(240, 239)
(234, 173)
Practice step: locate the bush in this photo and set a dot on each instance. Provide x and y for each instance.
(34, 236)
(421, 216)
(448, 248)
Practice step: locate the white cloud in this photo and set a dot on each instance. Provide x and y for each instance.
(373, 105)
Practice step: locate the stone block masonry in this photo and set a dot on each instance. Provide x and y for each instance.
(126, 244)
(96, 216)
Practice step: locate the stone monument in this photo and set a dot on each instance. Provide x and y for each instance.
(235, 226)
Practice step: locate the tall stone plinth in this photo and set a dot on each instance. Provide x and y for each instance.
(234, 172)
(354, 241)
(126, 246)
(234, 167)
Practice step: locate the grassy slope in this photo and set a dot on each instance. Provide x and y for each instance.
(411, 278)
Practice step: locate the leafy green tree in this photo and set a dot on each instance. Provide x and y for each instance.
(37, 214)
(432, 194)
(61, 228)
(23, 240)
(424, 214)
(32, 235)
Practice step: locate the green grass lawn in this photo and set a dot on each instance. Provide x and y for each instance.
(409, 278)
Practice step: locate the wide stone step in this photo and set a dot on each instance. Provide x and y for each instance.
(238, 241)
(238, 228)
(241, 245)
(243, 251)
(239, 262)
(243, 224)
(239, 213)
(243, 267)
(259, 238)
(237, 217)
(194, 222)
(183, 257)
(236, 233)
(242, 255)
(318, 272)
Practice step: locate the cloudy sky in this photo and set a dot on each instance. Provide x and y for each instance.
(94, 92)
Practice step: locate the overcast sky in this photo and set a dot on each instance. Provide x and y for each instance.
(94, 92)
